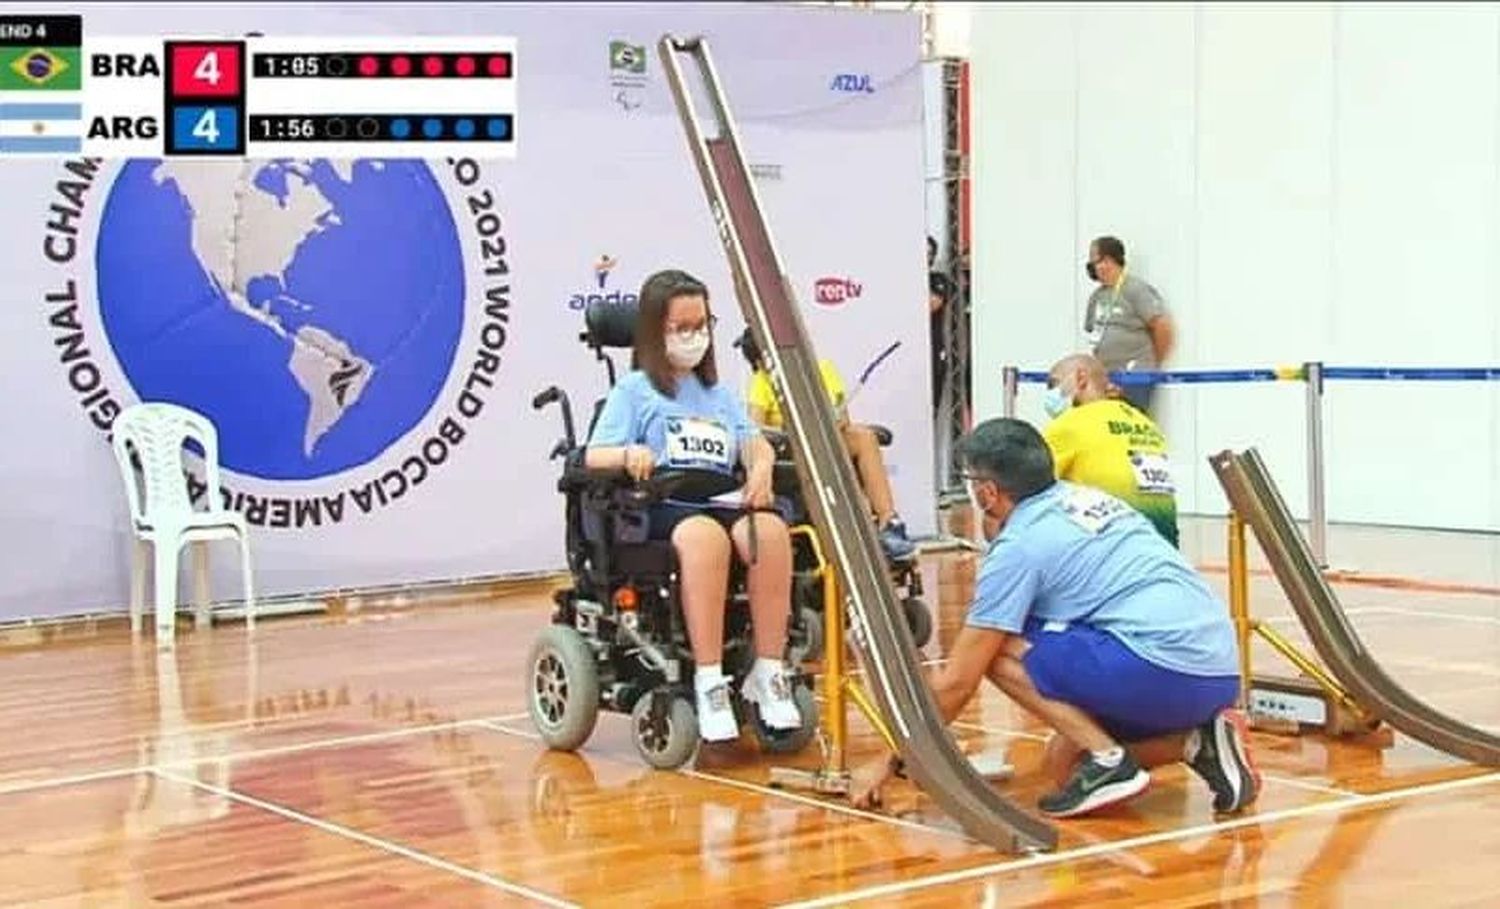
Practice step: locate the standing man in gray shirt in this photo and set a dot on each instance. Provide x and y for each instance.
(1126, 319)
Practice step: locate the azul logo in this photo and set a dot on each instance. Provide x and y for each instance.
(600, 292)
(627, 74)
(362, 361)
(836, 291)
(853, 83)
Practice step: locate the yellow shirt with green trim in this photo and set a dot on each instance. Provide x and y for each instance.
(762, 396)
(1111, 446)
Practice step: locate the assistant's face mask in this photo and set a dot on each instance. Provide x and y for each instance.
(985, 521)
(686, 351)
(1058, 400)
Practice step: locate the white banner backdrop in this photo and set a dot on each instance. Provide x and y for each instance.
(445, 293)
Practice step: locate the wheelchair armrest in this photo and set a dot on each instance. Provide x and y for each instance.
(882, 434)
(664, 483)
(784, 479)
(781, 443)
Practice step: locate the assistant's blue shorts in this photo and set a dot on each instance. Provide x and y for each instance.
(1131, 697)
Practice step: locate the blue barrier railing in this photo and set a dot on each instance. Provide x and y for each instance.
(1291, 374)
(1313, 375)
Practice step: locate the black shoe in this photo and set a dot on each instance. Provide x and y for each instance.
(1217, 752)
(1093, 786)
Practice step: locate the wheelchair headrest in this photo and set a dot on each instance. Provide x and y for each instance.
(610, 324)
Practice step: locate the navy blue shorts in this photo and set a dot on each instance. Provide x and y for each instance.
(1132, 698)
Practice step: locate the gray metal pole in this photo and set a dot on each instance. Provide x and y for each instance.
(1317, 507)
(1010, 380)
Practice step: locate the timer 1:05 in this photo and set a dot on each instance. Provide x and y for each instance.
(285, 65)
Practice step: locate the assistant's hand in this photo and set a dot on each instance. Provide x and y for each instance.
(639, 461)
(867, 781)
(757, 491)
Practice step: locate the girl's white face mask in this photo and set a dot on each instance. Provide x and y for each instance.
(686, 351)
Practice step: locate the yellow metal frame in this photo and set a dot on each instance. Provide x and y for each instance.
(838, 691)
(1246, 627)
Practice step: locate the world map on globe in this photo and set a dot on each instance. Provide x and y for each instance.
(311, 309)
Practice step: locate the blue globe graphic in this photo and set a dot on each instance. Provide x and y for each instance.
(312, 311)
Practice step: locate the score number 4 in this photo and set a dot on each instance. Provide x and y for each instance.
(205, 129)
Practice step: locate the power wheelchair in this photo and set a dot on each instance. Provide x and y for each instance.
(617, 640)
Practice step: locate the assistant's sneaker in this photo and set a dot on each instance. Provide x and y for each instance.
(893, 539)
(1094, 786)
(1217, 751)
(716, 722)
(770, 688)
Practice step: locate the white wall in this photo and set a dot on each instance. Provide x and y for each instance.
(1300, 182)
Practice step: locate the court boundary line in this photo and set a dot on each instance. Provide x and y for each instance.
(783, 794)
(1404, 612)
(359, 836)
(24, 786)
(1216, 828)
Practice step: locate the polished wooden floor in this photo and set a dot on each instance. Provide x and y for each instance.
(382, 758)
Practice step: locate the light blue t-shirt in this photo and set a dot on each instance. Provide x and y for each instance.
(702, 427)
(1077, 555)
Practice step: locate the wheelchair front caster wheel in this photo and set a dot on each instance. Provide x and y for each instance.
(788, 741)
(665, 729)
(563, 687)
(918, 619)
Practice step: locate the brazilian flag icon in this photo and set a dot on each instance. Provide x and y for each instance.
(626, 57)
(40, 69)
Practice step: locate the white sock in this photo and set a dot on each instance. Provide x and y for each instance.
(708, 676)
(1110, 757)
(766, 667)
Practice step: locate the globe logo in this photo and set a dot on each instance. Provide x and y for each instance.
(311, 309)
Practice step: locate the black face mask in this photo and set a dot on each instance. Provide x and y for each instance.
(1091, 271)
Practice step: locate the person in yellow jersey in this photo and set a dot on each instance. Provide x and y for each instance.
(1104, 442)
(863, 446)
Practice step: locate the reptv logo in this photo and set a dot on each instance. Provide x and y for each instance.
(836, 291)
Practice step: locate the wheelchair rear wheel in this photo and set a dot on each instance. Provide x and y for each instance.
(918, 619)
(807, 639)
(563, 682)
(788, 741)
(665, 729)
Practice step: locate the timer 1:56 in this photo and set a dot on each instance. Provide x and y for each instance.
(287, 127)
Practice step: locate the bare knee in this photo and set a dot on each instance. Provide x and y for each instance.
(701, 541)
(1009, 673)
(860, 438)
(771, 534)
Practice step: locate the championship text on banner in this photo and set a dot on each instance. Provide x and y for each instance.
(367, 334)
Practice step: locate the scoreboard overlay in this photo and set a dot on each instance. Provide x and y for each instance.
(63, 92)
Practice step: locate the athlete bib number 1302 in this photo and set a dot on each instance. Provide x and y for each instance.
(697, 443)
(1153, 475)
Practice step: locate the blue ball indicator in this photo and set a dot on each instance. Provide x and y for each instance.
(400, 128)
(432, 128)
(464, 129)
(497, 128)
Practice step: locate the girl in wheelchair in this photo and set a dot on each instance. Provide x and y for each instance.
(672, 412)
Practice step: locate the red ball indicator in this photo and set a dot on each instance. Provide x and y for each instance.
(498, 66)
(401, 66)
(368, 66)
(465, 66)
(433, 66)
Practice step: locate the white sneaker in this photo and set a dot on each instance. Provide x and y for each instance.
(716, 722)
(772, 691)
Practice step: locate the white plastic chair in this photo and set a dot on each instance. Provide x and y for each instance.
(156, 433)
